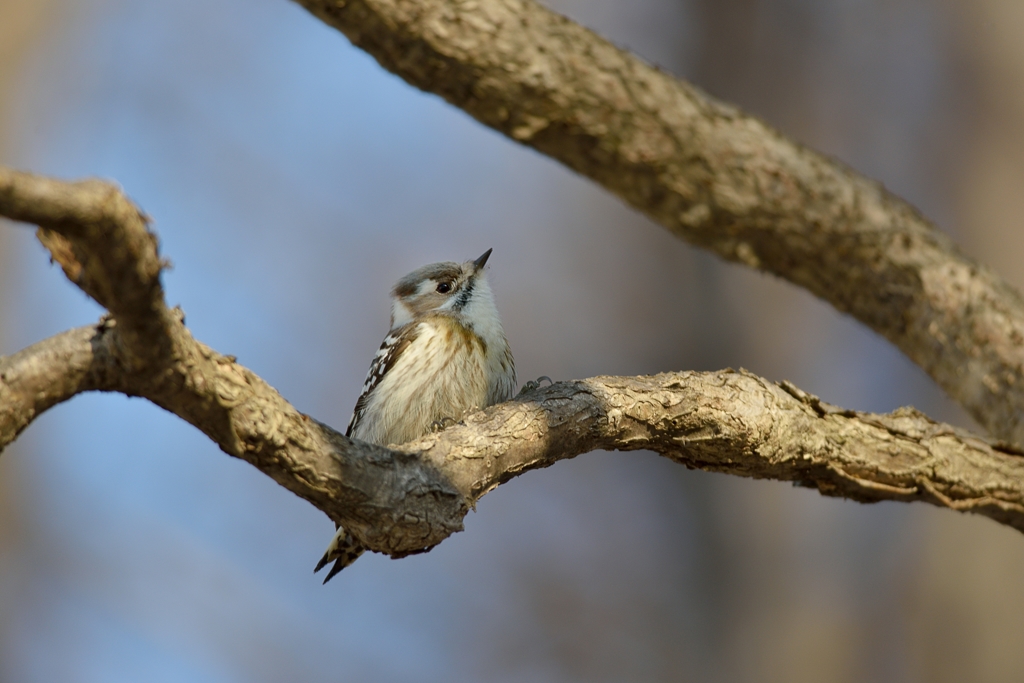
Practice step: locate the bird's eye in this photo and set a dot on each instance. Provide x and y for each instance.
(444, 287)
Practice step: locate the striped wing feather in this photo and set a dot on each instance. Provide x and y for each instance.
(388, 353)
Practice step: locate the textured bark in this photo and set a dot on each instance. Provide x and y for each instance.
(101, 241)
(714, 176)
(407, 499)
(740, 424)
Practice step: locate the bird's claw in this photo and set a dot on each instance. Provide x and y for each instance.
(535, 384)
(442, 424)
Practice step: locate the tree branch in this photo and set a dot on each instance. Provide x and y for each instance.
(740, 424)
(714, 176)
(407, 499)
(101, 240)
(52, 371)
(391, 500)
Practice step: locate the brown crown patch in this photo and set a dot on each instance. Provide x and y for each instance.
(446, 270)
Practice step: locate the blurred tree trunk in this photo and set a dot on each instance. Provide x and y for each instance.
(22, 24)
(968, 601)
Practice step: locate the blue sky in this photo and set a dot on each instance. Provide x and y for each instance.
(292, 181)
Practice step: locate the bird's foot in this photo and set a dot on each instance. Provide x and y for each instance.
(442, 424)
(535, 384)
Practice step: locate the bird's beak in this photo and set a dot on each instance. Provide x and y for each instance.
(480, 262)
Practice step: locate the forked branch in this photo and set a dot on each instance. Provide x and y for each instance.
(407, 499)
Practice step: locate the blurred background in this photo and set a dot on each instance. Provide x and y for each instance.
(292, 181)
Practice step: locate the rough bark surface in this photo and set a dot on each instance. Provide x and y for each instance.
(407, 499)
(714, 176)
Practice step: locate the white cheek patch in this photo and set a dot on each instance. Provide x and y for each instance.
(400, 314)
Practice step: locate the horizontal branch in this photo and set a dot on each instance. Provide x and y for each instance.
(393, 500)
(741, 424)
(52, 371)
(714, 176)
(407, 499)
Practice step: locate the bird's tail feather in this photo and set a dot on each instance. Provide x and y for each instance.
(343, 550)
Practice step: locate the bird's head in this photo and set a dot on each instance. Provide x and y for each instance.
(459, 289)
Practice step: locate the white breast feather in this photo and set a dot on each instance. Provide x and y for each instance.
(433, 378)
(482, 313)
(441, 373)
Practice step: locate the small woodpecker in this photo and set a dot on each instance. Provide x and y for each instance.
(444, 356)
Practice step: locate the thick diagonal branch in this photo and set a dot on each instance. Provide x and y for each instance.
(714, 176)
